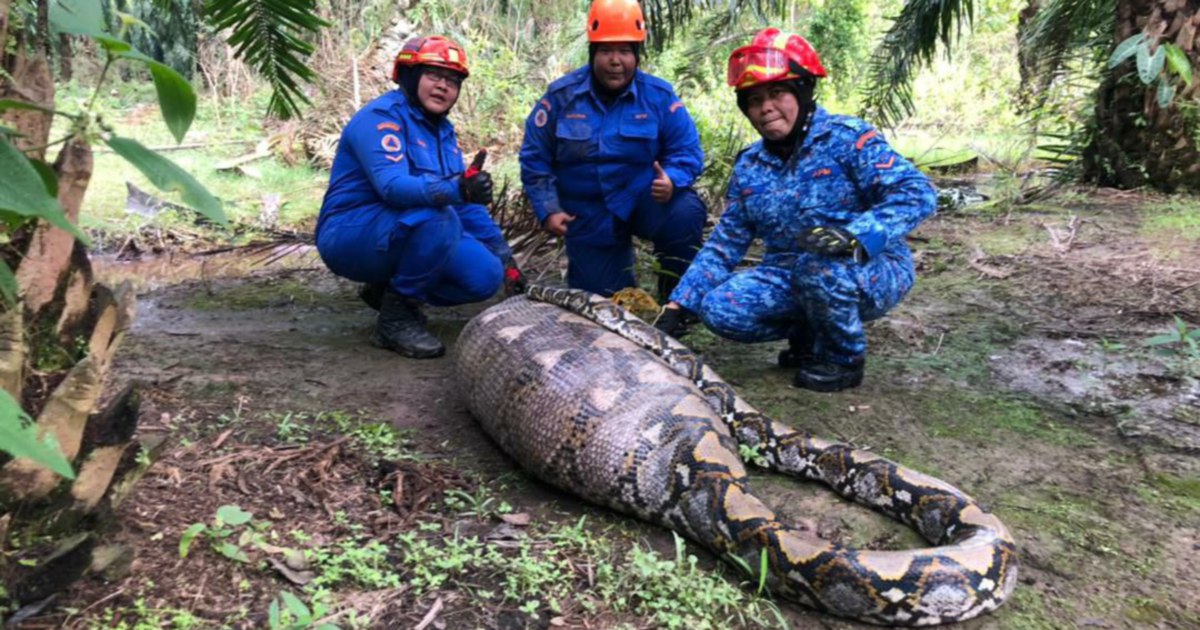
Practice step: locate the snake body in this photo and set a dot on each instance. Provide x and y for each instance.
(599, 403)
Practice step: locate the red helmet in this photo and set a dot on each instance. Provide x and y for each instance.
(773, 55)
(615, 21)
(433, 50)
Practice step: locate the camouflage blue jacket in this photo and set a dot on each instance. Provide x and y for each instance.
(845, 175)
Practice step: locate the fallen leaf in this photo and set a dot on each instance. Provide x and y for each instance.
(520, 520)
(299, 578)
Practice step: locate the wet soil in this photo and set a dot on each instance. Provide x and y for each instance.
(1016, 370)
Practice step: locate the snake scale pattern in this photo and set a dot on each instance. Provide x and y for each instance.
(600, 404)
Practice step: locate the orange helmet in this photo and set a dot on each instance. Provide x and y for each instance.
(433, 50)
(616, 21)
(773, 55)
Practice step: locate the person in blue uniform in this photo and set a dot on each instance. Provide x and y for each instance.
(402, 214)
(831, 202)
(610, 152)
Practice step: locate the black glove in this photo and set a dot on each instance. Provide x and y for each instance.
(674, 321)
(514, 280)
(831, 241)
(476, 188)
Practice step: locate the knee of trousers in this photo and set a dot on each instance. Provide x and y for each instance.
(687, 214)
(437, 235)
(728, 320)
(832, 284)
(484, 279)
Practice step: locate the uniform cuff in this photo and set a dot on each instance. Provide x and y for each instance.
(873, 241)
(679, 177)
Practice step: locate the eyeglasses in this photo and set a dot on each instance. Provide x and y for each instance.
(447, 77)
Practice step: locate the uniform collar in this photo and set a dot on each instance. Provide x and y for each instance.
(585, 85)
(819, 128)
(418, 112)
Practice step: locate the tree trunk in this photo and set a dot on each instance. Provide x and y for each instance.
(31, 82)
(1137, 142)
(1027, 64)
(65, 56)
(5, 5)
(61, 307)
(43, 273)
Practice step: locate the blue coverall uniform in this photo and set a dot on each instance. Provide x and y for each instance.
(394, 212)
(594, 160)
(843, 175)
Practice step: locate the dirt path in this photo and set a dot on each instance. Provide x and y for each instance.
(1015, 371)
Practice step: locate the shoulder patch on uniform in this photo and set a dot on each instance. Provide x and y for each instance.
(891, 161)
(387, 126)
(391, 143)
(865, 138)
(545, 103)
(540, 118)
(676, 106)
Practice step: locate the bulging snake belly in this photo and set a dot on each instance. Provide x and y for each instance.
(600, 404)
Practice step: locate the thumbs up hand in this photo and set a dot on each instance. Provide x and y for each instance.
(662, 188)
(476, 183)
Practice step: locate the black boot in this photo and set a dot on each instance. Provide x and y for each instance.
(666, 284)
(400, 328)
(799, 352)
(372, 294)
(829, 377)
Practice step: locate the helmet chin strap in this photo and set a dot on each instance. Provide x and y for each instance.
(788, 147)
(605, 94)
(409, 79)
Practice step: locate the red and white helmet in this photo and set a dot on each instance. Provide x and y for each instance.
(773, 55)
(433, 50)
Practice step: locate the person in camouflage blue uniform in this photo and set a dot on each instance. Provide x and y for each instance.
(832, 204)
(610, 152)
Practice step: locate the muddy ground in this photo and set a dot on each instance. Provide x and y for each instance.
(1016, 370)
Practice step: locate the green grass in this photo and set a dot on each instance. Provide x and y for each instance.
(225, 129)
(1177, 216)
(993, 419)
(1028, 609)
(1173, 493)
(1076, 532)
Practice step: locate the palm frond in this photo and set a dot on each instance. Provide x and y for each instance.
(1063, 28)
(665, 18)
(910, 43)
(269, 35)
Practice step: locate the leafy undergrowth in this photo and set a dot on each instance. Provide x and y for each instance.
(297, 520)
